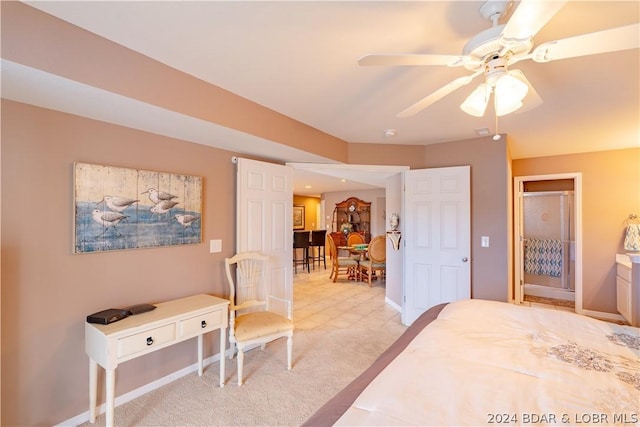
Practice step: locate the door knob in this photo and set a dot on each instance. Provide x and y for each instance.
(465, 259)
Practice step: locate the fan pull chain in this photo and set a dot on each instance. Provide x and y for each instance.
(496, 136)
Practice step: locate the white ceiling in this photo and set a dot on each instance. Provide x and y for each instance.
(300, 58)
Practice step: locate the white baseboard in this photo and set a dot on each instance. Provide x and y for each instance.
(134, 394)
(603, 315)
(393, 304)
(549, 292)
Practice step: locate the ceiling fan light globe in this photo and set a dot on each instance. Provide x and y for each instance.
(511, 87)
(476, 102)
(508, 106)
(509, 93)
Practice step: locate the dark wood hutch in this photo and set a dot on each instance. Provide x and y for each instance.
(351, 215)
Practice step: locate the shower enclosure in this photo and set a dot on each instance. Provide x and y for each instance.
(549, 244)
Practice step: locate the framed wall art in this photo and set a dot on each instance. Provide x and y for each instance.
(119, 208)
(298, 217)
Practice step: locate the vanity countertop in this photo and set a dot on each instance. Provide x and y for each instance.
(628, 258)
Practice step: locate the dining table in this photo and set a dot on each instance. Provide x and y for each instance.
(360, 251)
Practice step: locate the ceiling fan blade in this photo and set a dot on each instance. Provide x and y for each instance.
(620, 38)
(414, 59)
(528, 18)
(437, 95)
(532, 99)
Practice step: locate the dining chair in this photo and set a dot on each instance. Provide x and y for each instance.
(301, 242)
(376, 259)
(354, 238)
(317, 246)
(251, 322)
(341, 265)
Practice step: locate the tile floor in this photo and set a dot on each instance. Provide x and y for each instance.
(320, 303)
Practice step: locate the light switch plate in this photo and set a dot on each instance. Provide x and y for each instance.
(484, 241)
(215, 246)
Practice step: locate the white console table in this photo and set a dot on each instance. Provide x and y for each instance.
(170, 323)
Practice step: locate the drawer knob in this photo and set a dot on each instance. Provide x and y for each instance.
(149, 340)
(203, 324)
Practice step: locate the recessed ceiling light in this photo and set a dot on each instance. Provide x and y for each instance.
(483, 131)
(343, 180)
(390, 133)
(307, 186)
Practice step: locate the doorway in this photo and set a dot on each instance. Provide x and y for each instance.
(374, 177)
(548, 255)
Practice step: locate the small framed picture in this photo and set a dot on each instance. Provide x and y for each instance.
(298, 217)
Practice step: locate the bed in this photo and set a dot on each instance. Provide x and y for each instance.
(477, 362)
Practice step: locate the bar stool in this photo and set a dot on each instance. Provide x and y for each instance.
(318, 240)
(301, 240)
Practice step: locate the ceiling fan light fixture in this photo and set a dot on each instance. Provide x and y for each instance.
(506, 106)
(509, 93)
(476, 102)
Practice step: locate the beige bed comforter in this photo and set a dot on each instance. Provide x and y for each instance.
(487, 363)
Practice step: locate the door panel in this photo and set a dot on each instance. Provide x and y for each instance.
(437, 238)
(264, 221)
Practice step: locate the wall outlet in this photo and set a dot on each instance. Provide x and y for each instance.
(484, 241)
(215, 246)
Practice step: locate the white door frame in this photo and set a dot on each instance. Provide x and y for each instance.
(518, 228)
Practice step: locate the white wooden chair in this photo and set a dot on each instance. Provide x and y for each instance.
(376, 259)
(251, 322)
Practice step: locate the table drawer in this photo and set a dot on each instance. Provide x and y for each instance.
(146, 340)
(204, 322)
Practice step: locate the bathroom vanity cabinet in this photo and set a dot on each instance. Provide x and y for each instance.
(628, 287)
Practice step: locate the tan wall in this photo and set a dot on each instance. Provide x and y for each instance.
(490, 209)
(47, 291)
(386, 154)
(610, 192)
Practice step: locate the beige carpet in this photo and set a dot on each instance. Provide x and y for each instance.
(325, 359)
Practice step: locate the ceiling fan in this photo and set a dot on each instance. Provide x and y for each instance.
(492, 52)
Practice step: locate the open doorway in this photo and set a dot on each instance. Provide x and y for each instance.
(548, 250)
(373, 177)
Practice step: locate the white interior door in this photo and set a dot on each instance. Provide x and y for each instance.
(264, 221)
(436, 231)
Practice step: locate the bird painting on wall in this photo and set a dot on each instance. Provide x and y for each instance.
(117, 203)
(108, 220)
(122, 220)
(162, 207)
(158, 196)
(186, 221)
